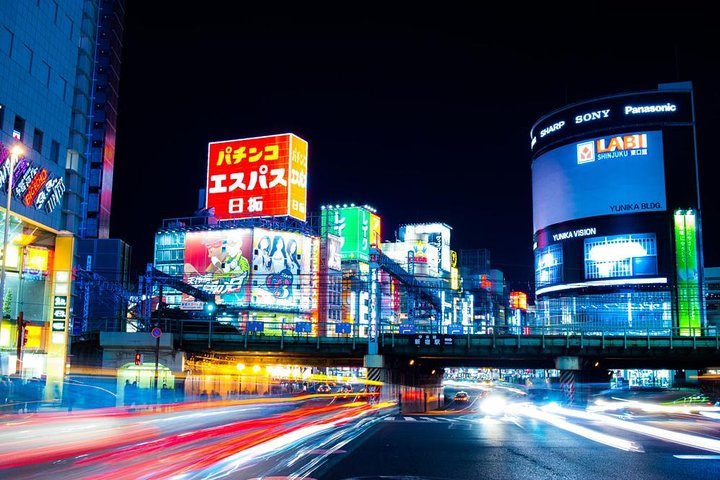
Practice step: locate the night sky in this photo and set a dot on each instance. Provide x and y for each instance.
(424, 120)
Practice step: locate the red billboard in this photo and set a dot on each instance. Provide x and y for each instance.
(258, 177)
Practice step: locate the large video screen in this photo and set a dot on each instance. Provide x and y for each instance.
(281, 270)
(218, 262)
(611, 175)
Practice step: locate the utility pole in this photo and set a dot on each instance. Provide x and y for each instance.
(21, 324)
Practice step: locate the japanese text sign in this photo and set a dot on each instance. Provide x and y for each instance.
(258, 177)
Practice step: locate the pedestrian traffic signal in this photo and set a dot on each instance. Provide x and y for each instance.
(138, 359)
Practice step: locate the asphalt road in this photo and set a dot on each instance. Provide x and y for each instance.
(320, 438)
(476, 447)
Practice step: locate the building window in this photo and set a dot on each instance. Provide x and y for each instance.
(37, 140)
(55, 151)
(19, 128)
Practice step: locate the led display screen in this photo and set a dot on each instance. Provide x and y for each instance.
(548, 265)
(218, 262)
(281, 270)
(610, 175)
(620, 256)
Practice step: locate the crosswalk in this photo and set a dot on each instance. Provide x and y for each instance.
(407, 418)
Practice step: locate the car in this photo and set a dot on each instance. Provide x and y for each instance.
(324, 388)
(461, 397)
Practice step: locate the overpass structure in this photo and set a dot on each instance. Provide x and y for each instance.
(535, 350)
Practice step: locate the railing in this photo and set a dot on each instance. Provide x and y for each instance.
(313, 336)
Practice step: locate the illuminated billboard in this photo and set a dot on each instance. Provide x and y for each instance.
(282, 270)
(218, 262)
(436, 234)
(688, 275)
(610, 175)
(357, 227)
(518, 300)
(258, 177)
(34, 186)
(620, 256)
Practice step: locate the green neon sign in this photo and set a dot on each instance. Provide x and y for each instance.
(686, 263)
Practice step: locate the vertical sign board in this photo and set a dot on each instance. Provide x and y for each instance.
(357, 227)
(258, 177)
(686, 261)
(61, 285)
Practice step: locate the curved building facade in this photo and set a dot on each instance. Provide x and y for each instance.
(616, 215)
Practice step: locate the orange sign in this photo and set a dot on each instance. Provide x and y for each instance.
(258, 177)
(518, 300)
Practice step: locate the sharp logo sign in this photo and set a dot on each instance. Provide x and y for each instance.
(612, 147)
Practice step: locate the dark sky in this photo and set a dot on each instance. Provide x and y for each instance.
(426, 120)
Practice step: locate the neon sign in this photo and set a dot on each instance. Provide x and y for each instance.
(34, 186)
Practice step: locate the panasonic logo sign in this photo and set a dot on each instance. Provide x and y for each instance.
(590, 116)
(668, 107)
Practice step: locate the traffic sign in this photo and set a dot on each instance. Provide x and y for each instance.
(156, 332)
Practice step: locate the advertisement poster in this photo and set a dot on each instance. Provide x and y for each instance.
(612, 175)
(281, 274)
(218, 262)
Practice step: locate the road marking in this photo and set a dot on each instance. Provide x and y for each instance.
(451, 419)
(428, 419)
(697, 457)
(410, 419)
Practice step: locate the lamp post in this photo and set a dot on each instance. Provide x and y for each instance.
(15, 152)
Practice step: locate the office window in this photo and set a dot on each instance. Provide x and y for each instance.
(55, 151)
(19, 128)
(37, 140)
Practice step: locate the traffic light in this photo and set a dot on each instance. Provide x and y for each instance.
(138, 359)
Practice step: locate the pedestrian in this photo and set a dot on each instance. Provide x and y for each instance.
(204, 395)
(127, 392)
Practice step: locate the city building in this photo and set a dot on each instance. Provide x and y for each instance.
(102, 120)
(616, 215)
(53, 56)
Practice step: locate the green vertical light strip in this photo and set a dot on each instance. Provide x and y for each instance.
(693, 283)
(686, 261)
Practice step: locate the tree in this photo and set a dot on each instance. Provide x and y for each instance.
(7, 304)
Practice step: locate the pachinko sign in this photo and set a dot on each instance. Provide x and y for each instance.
(33, 186)
(258, 177)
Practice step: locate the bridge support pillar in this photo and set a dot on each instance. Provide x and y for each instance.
(581, 378)
(569, 368)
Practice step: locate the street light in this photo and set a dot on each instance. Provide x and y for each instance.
(15, 152)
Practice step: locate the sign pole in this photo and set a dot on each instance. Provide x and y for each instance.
(156, 332)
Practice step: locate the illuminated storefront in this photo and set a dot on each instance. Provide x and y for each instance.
(615, 213)
(38, 264)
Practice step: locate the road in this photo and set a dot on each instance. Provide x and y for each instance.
(323, 437)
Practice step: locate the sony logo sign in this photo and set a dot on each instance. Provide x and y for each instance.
(590, 116)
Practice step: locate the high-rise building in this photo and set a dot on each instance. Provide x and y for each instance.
(57, 93)
(102, 121)
(616, 213)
